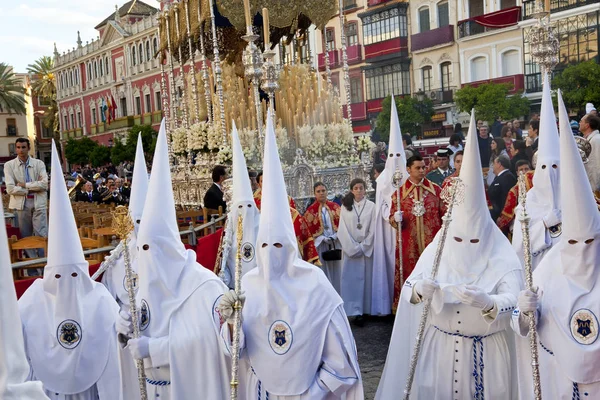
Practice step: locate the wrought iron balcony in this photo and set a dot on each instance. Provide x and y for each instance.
(489, 22)
(555, 6)
(334, 60)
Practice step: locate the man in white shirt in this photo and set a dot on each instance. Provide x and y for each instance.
(589, 126)
(27, 185)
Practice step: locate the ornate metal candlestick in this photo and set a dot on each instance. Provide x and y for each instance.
(174, 106)
(345, 59)
(270, 75)
(164, 96)
(543, 40)
(237, 311)
(183, 100)
(207, 93)
(193, 62)
(123, 225)
(218, 71)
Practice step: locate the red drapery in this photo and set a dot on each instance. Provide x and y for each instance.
(499, 19)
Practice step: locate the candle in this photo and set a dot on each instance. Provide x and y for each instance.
(247, 13)
(266, 32)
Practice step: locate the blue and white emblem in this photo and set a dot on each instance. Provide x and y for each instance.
(281, 337)
(134, 281)
(584, 326)
(247, 252)
(69, 334)
(144, 315)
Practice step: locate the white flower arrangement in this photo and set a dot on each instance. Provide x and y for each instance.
(225, 155)
(364, 144)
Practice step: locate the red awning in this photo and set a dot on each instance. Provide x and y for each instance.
(499, 19)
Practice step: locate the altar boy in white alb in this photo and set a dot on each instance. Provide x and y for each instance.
(244, 206)
(466, 351)
(177, 298)
(13, 364)
(298, 343)
(568, 305)
(543, 200)
(68, 319)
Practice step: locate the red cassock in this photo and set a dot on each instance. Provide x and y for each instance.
(422, 211)
(314, 217)
(512, 201)
(306, 244)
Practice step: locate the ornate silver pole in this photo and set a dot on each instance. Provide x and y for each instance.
(253, 69)
(452, 195)
(235, 358)
(123, 225)
(327, 69)
(270, 74)
(524, 218)
(207, 93)
(345, 59)
(543, 40)
(183, 99)
(193, 62)
(217, 71)
(397, 184)
(174, 107)
(164, 97)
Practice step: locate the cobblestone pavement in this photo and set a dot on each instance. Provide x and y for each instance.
(372, 341)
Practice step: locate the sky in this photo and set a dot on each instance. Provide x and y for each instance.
(29, 28)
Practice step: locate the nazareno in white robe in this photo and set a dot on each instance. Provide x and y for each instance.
(357, 257)
(337, 378)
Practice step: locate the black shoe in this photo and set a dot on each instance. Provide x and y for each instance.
(359, 321)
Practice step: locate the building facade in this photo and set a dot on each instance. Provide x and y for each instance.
(14, 125)
(116, 72)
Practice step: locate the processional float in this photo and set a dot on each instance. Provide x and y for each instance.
(253, 59)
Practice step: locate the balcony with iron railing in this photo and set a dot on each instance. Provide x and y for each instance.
(432, 38)
(555, 6)
(516, 82)
(152, 118)
(354, 54)
(489, 22)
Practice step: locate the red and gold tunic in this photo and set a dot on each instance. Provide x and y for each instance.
(422, 211)
(512, 201)
(306, 243)
(258, 197)
(314, 217)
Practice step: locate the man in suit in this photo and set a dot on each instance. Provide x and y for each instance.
(125, 192)
(443, 169)
(214, 195)
(498, 190)
(88, 194)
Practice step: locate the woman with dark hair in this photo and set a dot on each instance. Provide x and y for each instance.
(355, 233)
(455, 144)
(519, 149)
(508, 136)
(498, 148)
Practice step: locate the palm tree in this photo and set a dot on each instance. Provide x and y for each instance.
(11, 90)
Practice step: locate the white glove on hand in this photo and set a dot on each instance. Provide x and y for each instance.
(398, 216)
(528, 301)
(475, 297)
(553, 218)
(227, 302)
(139, 348)
(426, 287)
(123, 325)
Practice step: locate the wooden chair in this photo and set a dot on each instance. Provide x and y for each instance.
(105, 236)
(207, 214)
(18, 247)
(184, 218)
(88, 244)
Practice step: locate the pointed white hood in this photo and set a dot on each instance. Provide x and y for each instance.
(14, 368)
(476, 251)
(139, 185)
(286, 295)
(571, 308)
(545, 192)
(166, 270)
(67, 317)
(243, 204)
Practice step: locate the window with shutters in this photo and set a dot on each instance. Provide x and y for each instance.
(329, 39)
(383, 81)
(446, 74)
(443, 14)
(11, 127)
(356, 95)
(424, 19)
(148, 103)
(426, 78)
(352, 34)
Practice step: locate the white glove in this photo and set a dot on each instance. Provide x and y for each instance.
(528, 301)
(227, 302)
(426, 287)
(553, 218)
(475, 297)
(123, 325)
(139, 348)
(398, 216)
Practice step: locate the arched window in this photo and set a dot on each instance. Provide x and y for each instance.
(446, 75)
(443, 14)
(155, 44)
(427, 78)
(140, 53)
(148, 56)
(106, 65)
(479, 70)
(424, 19)
(77, 76)
(133, 59)
(89, 72)
(71, 78)
(101, 67)
(95, 69)
(510, 63)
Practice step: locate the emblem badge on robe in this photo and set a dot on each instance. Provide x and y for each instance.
(247, 252)
(418, 209)
(134, 281)
(144, 315)
(584, 326)
(280, 337)
(69, 334)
